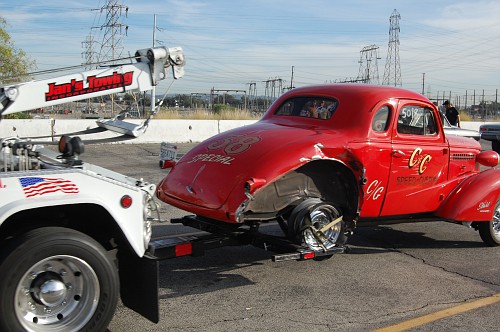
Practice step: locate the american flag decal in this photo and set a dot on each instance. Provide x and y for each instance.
(40, 186)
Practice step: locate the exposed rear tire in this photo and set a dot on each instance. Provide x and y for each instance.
(308, 218)
(56, 279)
(490, 231)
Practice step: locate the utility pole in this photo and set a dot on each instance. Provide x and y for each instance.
(153, 90)
(423, 83)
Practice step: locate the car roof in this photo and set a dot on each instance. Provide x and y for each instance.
(354, 100)
(369, 91)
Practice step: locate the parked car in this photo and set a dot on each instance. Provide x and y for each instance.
(491, 132)
(449, 129)
(326, 158)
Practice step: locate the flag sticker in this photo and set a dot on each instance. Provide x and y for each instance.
(35, 186)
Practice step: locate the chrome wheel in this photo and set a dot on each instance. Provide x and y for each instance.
(56, 279)
(59, 293)
(317, 224)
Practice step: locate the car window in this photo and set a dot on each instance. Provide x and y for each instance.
(380, 121)
(416, 120)
(311, 107)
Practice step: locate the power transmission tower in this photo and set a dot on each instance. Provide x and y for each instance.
(368, 65)
(88, 53)
(392, 73)
(111, 46)
(252, 95)
(274, 88)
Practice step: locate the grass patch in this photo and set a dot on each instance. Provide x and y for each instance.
(202, 114)
(465, 117)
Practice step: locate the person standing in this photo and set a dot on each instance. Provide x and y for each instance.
(451, 114)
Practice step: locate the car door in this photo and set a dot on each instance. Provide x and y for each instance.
(375, 152)
(419, 161)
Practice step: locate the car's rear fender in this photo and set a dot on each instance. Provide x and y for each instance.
(474, 199)
(330, 180)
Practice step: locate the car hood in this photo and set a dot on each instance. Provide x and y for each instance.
(463, 142)
(214, 172)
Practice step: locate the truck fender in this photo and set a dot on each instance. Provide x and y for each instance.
(474, 199)
(122, 218)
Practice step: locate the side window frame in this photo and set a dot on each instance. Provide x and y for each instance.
(381, 122)
(416, 120)
(314, 107)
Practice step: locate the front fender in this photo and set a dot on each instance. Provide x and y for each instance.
(128, 220)
(473, 199)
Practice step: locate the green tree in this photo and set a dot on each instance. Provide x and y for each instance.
(14, 63)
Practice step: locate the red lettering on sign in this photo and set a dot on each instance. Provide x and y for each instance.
(95, 84)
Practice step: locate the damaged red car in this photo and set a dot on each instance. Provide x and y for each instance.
(326, 158)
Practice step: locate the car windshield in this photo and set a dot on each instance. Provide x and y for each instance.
(311, 107)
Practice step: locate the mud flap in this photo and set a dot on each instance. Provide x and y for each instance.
(139, 284)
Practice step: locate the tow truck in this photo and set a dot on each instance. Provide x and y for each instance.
(73, 236)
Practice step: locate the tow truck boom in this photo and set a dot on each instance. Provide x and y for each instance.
(149, 69)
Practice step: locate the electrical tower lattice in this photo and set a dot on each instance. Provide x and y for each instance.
(88, 54)
(111, 46)
(392, 73)
(368, 65)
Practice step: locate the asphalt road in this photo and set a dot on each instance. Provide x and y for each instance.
(392, 274)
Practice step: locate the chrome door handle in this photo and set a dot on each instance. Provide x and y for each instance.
(398, 153)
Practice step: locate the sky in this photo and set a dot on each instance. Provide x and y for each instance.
(446, 47)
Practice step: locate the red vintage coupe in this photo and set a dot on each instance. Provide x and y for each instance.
(325, 158)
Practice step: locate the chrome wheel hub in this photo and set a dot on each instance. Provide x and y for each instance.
(316, 238)
(51, 293)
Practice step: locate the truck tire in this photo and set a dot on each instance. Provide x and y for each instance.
(490, 231)
(56, 279)
(311, 215)
(495, 146)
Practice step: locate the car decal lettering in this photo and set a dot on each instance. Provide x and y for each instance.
(415, 180)
(375, 190)
(418, 159)
(483, 206)
(211, 157)
(235, 144)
